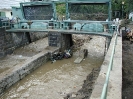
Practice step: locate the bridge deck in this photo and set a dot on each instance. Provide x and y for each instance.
(61, 31)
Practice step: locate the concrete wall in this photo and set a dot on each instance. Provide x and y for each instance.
(6, 42)
(11, 76)
(11, 41)
(115, 79)
(66, 41)
(37, 35)
(6, 12)
(63, 41)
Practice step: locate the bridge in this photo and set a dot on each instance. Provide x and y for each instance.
(28, 21)
(33, 18)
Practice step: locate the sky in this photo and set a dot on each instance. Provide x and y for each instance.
(8, 3)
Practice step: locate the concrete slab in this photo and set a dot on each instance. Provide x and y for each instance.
(115, 85)
(78, 60)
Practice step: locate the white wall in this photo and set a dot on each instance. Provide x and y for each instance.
(8, 14)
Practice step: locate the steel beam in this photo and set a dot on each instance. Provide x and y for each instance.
(106, 34)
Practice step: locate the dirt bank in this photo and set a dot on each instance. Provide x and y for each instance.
(127, 71)
(127, 87)
(86, 90)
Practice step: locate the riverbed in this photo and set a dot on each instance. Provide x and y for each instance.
(56, 80)
(53, 80)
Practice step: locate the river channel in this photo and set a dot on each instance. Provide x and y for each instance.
(53, 80)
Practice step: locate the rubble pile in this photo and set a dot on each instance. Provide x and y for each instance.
(79, 40)
(60, 55)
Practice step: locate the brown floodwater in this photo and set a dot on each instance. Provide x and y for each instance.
(53, 80)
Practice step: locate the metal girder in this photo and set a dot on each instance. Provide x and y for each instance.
(36, 3)
(87, 1)
(86, 21)
(106, 34)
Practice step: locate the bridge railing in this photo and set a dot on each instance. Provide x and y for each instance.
(90, 26)
(105, 88)
(80, 26)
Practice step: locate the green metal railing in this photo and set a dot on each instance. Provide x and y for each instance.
(105, 88)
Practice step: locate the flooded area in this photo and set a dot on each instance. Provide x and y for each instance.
(53, 80)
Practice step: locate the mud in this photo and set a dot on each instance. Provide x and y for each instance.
(53, 81)
(86, 90)
(127, 61)
(127, 70)
(95, 47)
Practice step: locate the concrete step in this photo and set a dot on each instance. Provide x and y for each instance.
(78, 60)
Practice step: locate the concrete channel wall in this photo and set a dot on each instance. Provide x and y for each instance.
(10, 41)
(11, 76)
(115, 79)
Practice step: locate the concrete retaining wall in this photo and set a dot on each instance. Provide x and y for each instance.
(11, 76)
(11, 41)
(115, 79)
(63, 41)
(37, 35)
(5, 42)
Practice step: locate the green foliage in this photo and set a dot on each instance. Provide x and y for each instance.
(116, 5)
(127, 6)
(61, 9)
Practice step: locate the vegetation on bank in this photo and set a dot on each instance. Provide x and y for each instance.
(123, 6)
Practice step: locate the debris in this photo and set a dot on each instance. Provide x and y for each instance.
(82, 54)
(20, 56)
(60, 55)
(79, 40)
(73, 95)
(129, 34)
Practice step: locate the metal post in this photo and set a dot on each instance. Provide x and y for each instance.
(67, 12)
(110, 11)
(109, 15)
(21, 7)
(54, 10)
(122, 9)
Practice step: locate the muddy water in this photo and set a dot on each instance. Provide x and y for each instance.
(53, 81)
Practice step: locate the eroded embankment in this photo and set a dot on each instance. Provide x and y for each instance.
(127, 69)
(127, 87)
